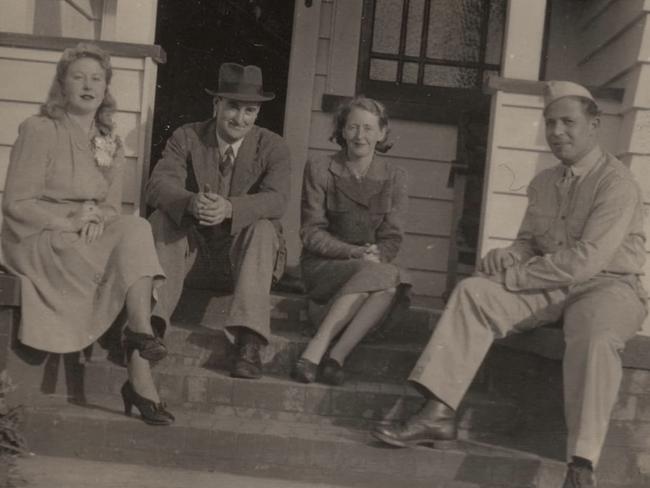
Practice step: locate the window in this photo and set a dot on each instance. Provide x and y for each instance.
(427, 51)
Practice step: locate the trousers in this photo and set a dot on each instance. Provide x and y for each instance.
(600, 315)
(209, 257)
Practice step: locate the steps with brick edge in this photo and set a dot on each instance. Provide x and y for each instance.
(356, 403)
(513, 410)
(320, 429)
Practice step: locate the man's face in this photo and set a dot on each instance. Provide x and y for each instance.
(235, 119)
(570, 132)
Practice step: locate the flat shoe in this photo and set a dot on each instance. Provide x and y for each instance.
(332, 372)
(304, 371)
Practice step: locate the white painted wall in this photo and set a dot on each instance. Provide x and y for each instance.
(119, 20)
(27, 74)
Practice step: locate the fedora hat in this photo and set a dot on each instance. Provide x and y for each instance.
(243, 83)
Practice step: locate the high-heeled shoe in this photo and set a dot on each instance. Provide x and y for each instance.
(150, 347)
(152, 413)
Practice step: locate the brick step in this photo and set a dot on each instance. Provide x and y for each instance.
(191, 345)
(356, 403)
(204, 441)
(289, 313)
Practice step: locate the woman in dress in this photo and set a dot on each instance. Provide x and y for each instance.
(79, 260)
(353, 207)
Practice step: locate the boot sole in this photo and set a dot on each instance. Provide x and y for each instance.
(435, 444)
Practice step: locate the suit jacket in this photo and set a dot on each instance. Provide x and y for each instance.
(339, 213)
(260, 182)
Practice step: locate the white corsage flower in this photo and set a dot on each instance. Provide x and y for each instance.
(104, 149)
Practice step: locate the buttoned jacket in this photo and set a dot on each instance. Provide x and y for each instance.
(601, 229)
(340, 213)
(260, 184)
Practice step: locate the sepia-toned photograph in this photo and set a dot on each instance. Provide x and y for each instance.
(324, 243)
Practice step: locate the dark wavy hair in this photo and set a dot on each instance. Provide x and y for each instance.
(54, 106)
(369, 105)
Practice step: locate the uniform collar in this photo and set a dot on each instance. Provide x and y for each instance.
(587, 163)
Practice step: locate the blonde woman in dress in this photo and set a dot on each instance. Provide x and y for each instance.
(80, 262)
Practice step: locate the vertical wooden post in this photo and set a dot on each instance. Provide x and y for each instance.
(297, 117)
(109, 12)
(523, 40)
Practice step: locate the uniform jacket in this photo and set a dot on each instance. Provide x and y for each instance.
(260, 182)
(600, 230)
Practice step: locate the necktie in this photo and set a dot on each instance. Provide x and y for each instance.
(566, 182)
(565, 188)
(226, 163)
(225, 168)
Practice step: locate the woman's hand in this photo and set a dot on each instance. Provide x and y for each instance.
(91, 231)
(372, 253)
(357, 252)
(87, 214)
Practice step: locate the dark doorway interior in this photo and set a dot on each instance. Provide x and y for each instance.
(198, 35)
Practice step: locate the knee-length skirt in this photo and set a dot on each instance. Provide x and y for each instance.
(73, 291)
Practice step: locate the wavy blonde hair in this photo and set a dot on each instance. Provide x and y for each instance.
(54, 106)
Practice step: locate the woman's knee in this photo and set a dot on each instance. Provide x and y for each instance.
(134, 227)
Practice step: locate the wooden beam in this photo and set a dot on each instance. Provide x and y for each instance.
(532, 87)
(50, 43)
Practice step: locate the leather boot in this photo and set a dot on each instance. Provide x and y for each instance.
(248, 361)
(434, 424)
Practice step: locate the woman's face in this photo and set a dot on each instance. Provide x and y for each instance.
(362, 133)
(84, 86)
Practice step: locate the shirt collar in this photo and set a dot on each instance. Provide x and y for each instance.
(587, 163)
(223, 145)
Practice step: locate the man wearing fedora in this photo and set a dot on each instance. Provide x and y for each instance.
(219, 191)
(577, 256)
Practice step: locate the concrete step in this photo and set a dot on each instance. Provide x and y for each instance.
(57, 472)
(202, 441)
(356, 403)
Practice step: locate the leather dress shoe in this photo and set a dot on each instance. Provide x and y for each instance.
(579, 477)
(248, 363)
(434, 425)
